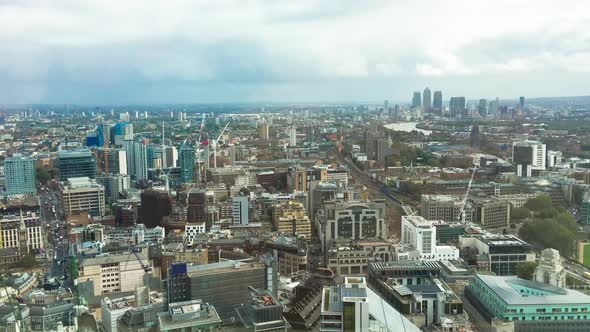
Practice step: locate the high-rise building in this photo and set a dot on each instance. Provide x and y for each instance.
(426, 99)
(416, 99)
(112, 161)
(82, 194)
(345, 307)
(136, 160)
(493, 109)
(437, 102)
(263, 131)
(187, 163)
(521, 102)
(292, 136)
(115, 184)
(530, 153)
(76, 163)
(420, 234)
(20, 176)
(122, 132)
(155, 206)
(482, 108)
(240, 210)
(457, 107)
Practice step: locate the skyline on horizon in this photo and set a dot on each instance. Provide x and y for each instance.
(310, 51)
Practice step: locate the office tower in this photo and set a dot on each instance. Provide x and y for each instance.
(437, 102)
(292, 136)
(104, 133)
(554, 158)
(82, 194)
(224, 285)
(115, 184)
(155, 206)
(521, 102)
(426, 100)
(353, 220)
(111, 160)
(457, 107)
(196, 211)
(240, 210)
(482, 108)
(385, 104)
(76, 163)
(187, 163)
(533, 153)
(515, 304)
(122, 132)
(381, 149)
(442, 207)
(263, 131)
(345, 307)
(171, 156)
(20, 176)
(136, 160)
(156, 156)
(474, 137)
(416, 99)
(420, 235)
(493, 109)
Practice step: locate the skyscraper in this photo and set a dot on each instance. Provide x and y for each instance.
(457, 106)
(76, 163)
(263, 131)
(20, 176)
(482, 107)
(426, 100)
(292, 136)
(521, 102)
(187, 163)
(493, 109)
(240, 210)
(437, 101)
(136, 160)
(416, 100)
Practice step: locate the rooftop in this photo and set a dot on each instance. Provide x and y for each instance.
(516, 291)
(112, 259)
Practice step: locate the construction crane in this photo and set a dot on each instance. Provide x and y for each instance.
(461, 216)
(215, 142)
(144, 266)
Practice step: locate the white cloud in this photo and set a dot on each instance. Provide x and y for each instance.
(291, 41)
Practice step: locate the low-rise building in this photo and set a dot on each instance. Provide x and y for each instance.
(191, 315)
(290, 218)
(420, 235)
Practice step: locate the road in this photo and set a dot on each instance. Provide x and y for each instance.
(52, 216)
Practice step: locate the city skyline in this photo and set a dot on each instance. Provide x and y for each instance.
(102, 53)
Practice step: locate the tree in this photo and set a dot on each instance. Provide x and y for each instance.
(519, 213)
(539, 203)
(28, 261)
(42, 174)
(526, 270)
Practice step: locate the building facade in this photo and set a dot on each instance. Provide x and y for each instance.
(20, 176)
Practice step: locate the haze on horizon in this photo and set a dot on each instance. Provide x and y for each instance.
(286, 51)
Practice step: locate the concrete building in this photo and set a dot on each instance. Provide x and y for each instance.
(224, 284)
(290, 218)
(116, 184)
(111, 160)
(191, 315)
(554, 158)
(420, 234)
(20, 176)
(82, 195)
(490, 212)
(187, 162)
(136, 160)
(345, 307)
(292, 136)
(263, 131)
(192, 230)
(496, 303)
(25, 231)
(240, 210)
(113, 308)
(75, 163)
(354, 258)
(291, 254)
(442, 207)
(550, 270)
(352, 221)
(112, 273)
(500, 254)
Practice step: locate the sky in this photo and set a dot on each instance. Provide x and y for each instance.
(175, 51)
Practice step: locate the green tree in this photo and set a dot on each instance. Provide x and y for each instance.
(525, 270)
(539, 203)
(42, 174)
(28, 261)
(519, 213)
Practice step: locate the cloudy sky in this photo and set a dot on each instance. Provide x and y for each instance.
(114, 51)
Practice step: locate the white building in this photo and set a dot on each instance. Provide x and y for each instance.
(113, 308)
(420, 234)
(550, 270)
(113, 273)
(292, 136)
(192, 230)
(345, 307)
(554, 158)
(82, 195)
(117, 183)
(136, 159)
(142, 234)
(240, 210)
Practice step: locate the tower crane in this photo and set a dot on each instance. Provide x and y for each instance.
(215, 142)
(461, 216)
